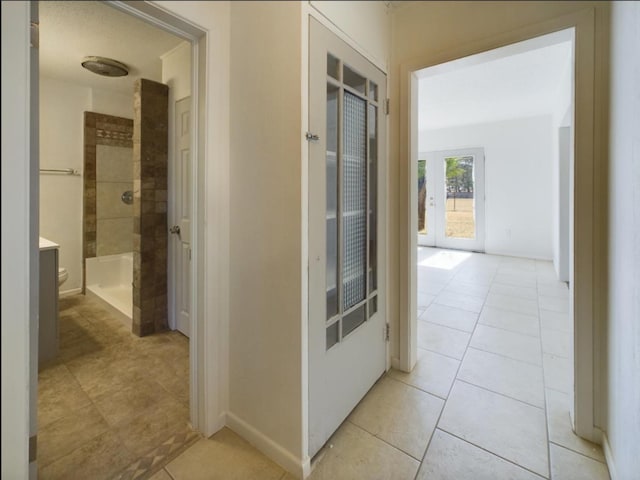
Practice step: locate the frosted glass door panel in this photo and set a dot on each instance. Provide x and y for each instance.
(354, 217)
(332, 200)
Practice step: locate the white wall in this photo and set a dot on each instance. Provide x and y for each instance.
(62, 107)
(265, 327)
(623, 416)
(518, 181)
(562, 137)
(176, 71)
(366, 23)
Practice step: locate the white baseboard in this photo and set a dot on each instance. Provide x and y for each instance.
(68, 293)
(294, 465)
(608, 455)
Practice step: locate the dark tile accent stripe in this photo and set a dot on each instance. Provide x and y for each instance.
(157, 458)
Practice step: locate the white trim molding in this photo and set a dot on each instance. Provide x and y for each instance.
(287, 460)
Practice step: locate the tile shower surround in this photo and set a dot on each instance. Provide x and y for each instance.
(150, 147)
(148, 135)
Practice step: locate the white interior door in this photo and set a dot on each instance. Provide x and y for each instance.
(181, 229)
(455, 198)
(347, 292)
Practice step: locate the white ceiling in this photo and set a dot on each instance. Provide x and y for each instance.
(71, 30)
(513, 82)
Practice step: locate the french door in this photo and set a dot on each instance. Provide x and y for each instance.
(451, 199)
(347, 297)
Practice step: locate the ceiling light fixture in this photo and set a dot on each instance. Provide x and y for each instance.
(106, 67)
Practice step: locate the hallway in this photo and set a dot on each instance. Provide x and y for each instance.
(487, 399)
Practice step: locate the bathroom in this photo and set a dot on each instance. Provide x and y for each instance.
(118, 347)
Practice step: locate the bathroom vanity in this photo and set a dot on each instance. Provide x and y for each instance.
(48, 320)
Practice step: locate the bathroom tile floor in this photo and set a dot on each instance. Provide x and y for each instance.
(111, 404)
(487, 399)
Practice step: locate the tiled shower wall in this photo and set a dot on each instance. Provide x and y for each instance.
(150, 147)
(108, 143)
(114, 177)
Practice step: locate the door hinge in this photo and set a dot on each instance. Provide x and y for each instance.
(386, 106)
(386, 332)
(35, 35)
(311, 137)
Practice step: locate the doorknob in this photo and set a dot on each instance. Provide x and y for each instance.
(175, 229)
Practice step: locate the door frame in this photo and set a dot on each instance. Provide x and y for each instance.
(199, 393)
(586, 307)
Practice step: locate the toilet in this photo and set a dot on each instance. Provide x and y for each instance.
(62, 275)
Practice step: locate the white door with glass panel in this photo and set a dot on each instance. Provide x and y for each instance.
(347, 304)
(451, 199)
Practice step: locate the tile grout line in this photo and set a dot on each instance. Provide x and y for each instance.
(382, 440)
(498, 393)
(492, 453)
(506, 356)
(544, 393)
(578, 453)
(450, 388)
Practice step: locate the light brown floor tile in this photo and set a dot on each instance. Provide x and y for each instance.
(517, 279)
(224, 456)
(508, 428)
(555, 321)
(59, 395)
(457, 318)
(433, 373)
(530, 293)
(556, 343)
(402, 416)
(64, 435)
(464, 302)
(425, 299)
(568, 465)
(161, 475)
(353, 454)
(512, 321)
(512, 304)
(126, 404)
(510, 344)
(152, 426)
(444, 340)
(96, 459)
(557, 373)
(555, 304)
(119, 375)
(500, 374)
(459, 287)
(560, 430)
(554, 288)
(449, 458)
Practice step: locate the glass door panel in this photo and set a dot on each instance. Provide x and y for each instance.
(459, 190)
(332, 198)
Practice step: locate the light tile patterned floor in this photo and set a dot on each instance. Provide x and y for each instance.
(486, 400)
(111, 404)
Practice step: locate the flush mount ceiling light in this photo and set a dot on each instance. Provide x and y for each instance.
(106, 67)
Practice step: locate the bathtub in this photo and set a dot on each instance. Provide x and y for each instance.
(109, 280)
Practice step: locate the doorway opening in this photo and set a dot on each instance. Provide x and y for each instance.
(529, 204)
(120, 384)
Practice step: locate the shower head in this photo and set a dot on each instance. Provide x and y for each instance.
(106, 67)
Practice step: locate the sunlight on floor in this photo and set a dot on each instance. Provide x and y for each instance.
(446, 259)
